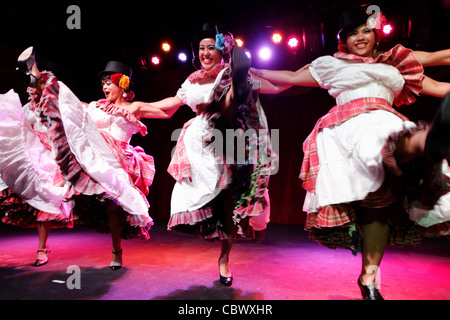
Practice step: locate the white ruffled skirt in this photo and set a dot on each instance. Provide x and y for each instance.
(351, 166)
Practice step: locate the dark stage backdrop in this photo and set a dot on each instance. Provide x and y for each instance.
(132, 31)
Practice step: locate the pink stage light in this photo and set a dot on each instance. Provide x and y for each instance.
(387, 29)
(155, 60)
(293, 42)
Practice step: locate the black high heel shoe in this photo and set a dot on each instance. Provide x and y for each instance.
(226, 281)
(240, 65)
(369, 292)
(26, 61)
(41, 262)
(114, 265)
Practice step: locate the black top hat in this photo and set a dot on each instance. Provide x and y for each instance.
(209, 30)
(350, 20)
(116, 67)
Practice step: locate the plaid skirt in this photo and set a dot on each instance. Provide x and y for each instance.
(239, 186)
(16, 211)
(339, 225)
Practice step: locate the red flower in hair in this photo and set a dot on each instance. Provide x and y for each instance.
(115, 78)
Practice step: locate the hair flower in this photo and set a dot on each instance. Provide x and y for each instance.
(371, 23)
(124, 82)
(120, 80)
(220, 41)
(115, 78)
(377, 24)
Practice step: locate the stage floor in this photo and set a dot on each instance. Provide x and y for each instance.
(286, 265)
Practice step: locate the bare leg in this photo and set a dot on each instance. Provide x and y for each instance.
(42, 252)
(44, 231)
(224, 266)
(115, 228)
(231, 230)
(375, 237)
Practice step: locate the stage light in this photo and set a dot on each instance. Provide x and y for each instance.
(387, 29)
(239, 42)
(265, 53)
(166, 47)
(182, 57)
(276, 38)
(155, 60)
(293, 42)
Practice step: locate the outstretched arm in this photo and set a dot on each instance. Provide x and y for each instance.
(435, 88)
(437, 58)
(268, 87)
(301, 77)
(162, 109)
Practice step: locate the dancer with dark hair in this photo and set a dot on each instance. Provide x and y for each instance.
(215, 195)
(32, 189)
(105, 177)
(372, 177)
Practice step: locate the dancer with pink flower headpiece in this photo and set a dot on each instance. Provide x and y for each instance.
(373, 177)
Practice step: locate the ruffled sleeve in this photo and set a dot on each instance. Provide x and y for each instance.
(323, 70)
(411, 70)
(405, 62)
(182, 92)
(112, 109)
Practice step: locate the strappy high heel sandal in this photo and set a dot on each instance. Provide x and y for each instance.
(115, 265)
(41, 262)
(26, 61)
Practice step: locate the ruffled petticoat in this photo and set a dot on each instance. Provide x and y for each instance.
(207, 180)
(88, 161)
(32, 189)
(364, 173)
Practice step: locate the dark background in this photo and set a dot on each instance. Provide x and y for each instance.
(131, 31)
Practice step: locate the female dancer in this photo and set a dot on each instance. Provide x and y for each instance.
(215, 195)
(366, 166)
(108, 177)
(32, 189)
